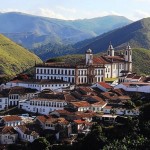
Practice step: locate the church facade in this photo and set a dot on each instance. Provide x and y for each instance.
(91, 70)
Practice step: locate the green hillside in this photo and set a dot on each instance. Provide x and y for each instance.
(141, 60)
(14, 58)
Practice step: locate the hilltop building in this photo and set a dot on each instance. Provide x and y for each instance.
(89, 70)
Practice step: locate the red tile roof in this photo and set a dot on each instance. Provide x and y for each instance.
(99, 60)
(105, 85)
(12, 118)
(81, 104)
(8, 130)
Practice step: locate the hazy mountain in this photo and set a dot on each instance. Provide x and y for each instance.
(137, 34)
(32, 31)
(14, 58)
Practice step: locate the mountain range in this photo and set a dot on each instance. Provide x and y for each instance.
(137, 34)
(32, 31)
(14, 58)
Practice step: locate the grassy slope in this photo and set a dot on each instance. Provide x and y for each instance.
(14, 58)
(141, 60)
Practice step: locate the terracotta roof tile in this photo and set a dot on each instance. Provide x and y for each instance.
(81, 104)
(8, 130)
(12, 118)
(105, 85)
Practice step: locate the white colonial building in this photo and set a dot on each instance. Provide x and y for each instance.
(39, 84)
(89, 70)
(8, 135)
(42, 105)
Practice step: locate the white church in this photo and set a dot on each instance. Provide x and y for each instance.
(90, 70)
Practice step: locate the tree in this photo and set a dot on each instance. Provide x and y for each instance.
(95, 140)
(40, 144)
(144, 112)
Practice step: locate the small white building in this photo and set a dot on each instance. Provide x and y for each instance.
(102, 86)
(42, 105)
(11, 120)
(3, 100)
(25, 134)
(40, 85)
(8, 135)
(121, 111)
(134, 87)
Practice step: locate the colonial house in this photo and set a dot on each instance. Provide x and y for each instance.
(121, 111)
(57, 124)
(131, 77)
(39, 84)
(42, 105)
(3, 100)
(11, 120)
(26, 134)
(79, 106)
(82, 126)
(46, 102)
(134, 87)
(89, 70)
(8, 135)
(17, 94)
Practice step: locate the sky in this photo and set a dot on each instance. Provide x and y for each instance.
(79, 9)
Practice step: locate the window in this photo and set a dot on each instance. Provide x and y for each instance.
(37, 70)
(44, 71)
(0, 100)
(72, 72)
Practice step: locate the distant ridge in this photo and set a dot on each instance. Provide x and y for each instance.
(137, 34)
(32, 31)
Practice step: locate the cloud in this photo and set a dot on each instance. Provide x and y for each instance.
(49, 13)
(139, 14)
(44, 12)
(70, 10)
